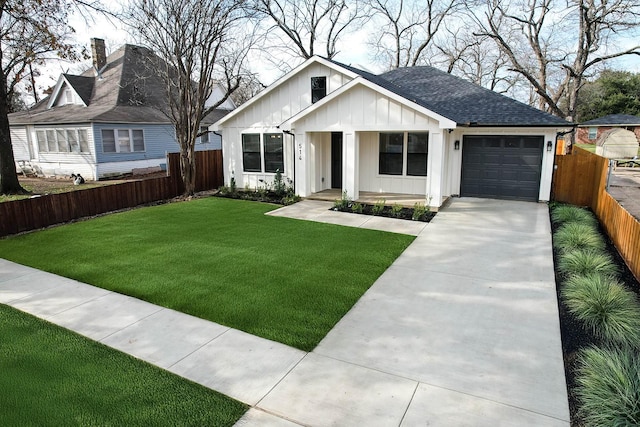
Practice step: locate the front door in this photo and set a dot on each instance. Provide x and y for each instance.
(336, 160)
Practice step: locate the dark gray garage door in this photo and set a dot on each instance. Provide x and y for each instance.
(502, 167)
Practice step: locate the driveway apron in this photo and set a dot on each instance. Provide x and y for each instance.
(461, 330)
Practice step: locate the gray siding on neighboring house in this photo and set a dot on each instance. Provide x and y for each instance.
(215, 143)
(158, 139)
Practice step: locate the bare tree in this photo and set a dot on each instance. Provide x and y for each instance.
(554, 45)
(304, 28)
(408, 28)
(30, 30)
(196, 41)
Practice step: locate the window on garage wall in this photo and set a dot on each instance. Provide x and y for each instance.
(392, 149)
(253, 150)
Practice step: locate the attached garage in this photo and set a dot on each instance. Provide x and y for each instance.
(502, 166)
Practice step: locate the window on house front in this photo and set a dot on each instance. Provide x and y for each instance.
(391, 153)
(273, 155)
(62, 140)
(417, 151)
(392, 160)
(271, 148)
(122, 140)
(251, 158)
(593, 133)
(318, 88)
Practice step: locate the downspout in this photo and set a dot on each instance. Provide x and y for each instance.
(293, 151)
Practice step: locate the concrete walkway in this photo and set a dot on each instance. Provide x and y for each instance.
(461, 330)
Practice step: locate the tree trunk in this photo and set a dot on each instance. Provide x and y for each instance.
(9, 183)
(188, 169)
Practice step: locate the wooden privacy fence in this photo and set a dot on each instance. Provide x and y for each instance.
(581, 179)
(37, 212)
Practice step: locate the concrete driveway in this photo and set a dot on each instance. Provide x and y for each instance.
(461, 330)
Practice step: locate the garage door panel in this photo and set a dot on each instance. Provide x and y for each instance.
(502, 166)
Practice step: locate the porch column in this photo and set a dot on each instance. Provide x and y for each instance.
(350, 164)
(436, 169)
(300, 162)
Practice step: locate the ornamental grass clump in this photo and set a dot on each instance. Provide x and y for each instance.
(562, 214)
(609, 387)
(582, 262)
(604, 306)
(573, 235)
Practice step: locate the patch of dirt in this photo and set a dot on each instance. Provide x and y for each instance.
(574, 335)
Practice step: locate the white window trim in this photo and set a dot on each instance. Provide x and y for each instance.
(55, 132)
(117, 144)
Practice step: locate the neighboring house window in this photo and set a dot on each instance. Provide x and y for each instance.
(68, 95)
(593, 133)
(318, 88)
(122, 140)
(391, 150)
(417, 150)
(251, 158)
(204, 138)
(252, 152)
(62, 140)
(273, 155)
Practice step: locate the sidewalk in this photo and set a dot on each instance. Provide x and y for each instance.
(461, 330)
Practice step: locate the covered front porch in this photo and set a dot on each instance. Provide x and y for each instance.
(370, 197)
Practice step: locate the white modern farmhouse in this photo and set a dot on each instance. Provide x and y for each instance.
(415, 131)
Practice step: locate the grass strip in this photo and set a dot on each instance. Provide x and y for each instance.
(52, 376)
(222, 260)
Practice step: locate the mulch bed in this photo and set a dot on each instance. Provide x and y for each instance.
(388, 212)
(574, 336)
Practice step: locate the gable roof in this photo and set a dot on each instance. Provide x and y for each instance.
(448, 96)
(127, 90)
(613, 120)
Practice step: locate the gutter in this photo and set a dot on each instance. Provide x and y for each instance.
(288, 132)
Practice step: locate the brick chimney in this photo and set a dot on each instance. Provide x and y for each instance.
(98, 53)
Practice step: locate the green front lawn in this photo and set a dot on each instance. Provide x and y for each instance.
(51, 376)
(221, 260)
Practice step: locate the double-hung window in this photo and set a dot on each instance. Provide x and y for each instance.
(593, 133)
(392, 149)
(122, 140)
(256, 147)
(204, 135)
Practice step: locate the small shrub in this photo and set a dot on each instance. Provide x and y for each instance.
(343, 203)
(419, 211)
(396, 210)
(562, 214)
(378, 207)
(609, 387)
(573, 235)
(604, 306)
(279, 186)
(232, 185)
(584, 262)
(357, 208)
(290, 199)
(224, 190)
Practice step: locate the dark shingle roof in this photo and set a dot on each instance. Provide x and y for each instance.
(82, 85)
(614, 119)
(128, 90)
(464, 102)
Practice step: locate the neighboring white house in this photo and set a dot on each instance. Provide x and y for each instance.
(413, 130)
(109, 120)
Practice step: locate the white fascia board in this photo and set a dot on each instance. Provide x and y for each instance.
(281, 80)
(444, 123)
